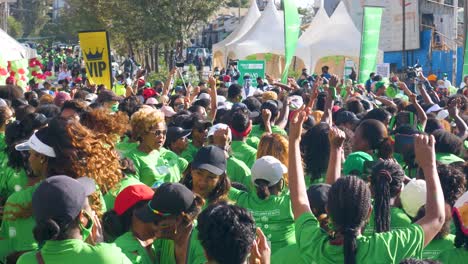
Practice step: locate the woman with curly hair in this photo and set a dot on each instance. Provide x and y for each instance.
(62, 148)
(101, 120)
(153, 163)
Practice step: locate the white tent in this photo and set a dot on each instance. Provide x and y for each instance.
(320, 23)
(337, 37)
(11, 50)
(266, 36)
(220, 50)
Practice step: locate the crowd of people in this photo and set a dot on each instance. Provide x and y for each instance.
(316, 170)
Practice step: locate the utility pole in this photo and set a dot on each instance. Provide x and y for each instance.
(455, 49)
(5, 15)
(403, 49)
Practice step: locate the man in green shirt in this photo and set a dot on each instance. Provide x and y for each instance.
(72, 218)
(241, 125)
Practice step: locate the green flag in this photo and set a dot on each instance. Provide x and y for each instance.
(292, 26)
(369, 41)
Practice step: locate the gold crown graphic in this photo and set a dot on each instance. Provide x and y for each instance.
(94, 56)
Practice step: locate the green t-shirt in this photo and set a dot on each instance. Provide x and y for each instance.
(447, 158)
(257, 132)
(244, 152)
(273, 215)
(74, 251)
(190, 152)
(12, 180)
(398, 220)
(455, 256)
(157, 166)
(237, 171)
(196, 253)
(110, 196)
(126, 146)
(16, 233)
(437, 246)
(253, 142)
(133, 249)
(355, 163)
(286, 255)
(389, 247)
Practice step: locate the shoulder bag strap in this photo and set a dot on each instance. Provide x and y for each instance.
(39, 258)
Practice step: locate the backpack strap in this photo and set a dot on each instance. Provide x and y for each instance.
(39, 258)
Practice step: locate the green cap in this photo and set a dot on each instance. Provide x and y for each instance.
(355, 163)
(379, 85)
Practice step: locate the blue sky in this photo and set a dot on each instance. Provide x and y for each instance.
(304, 3)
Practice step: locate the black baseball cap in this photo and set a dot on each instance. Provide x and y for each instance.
(318, 196)
(61, 198)
(346, 117)
(168, 199)
(174, 133)
(243, 107)
(210, 158)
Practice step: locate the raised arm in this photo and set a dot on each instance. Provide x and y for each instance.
(284, 113)
(434, 218)
(167, 85)
(327, 116)
(214, 98)
(422, 117)
(336, 137)
(454, 111)
(297, 187)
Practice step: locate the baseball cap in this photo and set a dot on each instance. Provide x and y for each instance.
(268, 168)
(108, 96)
(356, 162)
(91, 98)
(168, 111)
(218, 126)
(61, 97)
(36, 143)
(131, 195)
(174, 133)
(210, 158)
(60, 198)
(242, 107)
(460, 209)
(168, 199)
(413, 196)
(296, 101)
(226, 78)
(202, 123)
(151, 101)
(247, 76)
(318, 196)
(179, 89)
(433, 108)
(346, 117)
(204, 96)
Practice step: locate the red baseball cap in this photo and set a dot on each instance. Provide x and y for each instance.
(131, 195)
(226, 78)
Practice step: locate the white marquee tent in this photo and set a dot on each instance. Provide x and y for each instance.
(11, 50)
(220, 51)
(266, 36)
(334, 36)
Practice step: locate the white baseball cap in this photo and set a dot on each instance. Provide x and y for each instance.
(413, 196)
(268, 168)
(218, 126)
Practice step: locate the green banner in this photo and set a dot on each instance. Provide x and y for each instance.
(255, 68)
(369, 41)
(292, 28)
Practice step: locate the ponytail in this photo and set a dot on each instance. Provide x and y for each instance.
(51, 230)
(386, 181)
(382, 201)
(115, 225)
(349, 245)
(263, 191)
(385, 148)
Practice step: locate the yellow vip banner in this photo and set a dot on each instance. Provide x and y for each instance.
(96, 53)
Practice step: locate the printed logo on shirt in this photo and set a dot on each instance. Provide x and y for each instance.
(12, 232)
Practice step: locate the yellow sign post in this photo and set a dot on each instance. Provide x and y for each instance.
(96, 53)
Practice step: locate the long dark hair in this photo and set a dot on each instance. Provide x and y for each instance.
(349, 202)
(115, 225)
(219, 193)
(263, 190)
(316, 147)
(386, 182)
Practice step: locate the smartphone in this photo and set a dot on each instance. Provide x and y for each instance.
(404, 144)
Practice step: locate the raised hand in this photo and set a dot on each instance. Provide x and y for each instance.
(454, 107)
(333, 81)
(212, 82)
(336, 137)
(295, 125)
(424, 148)
(260, 252)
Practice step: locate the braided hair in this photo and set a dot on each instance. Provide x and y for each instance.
(386, 182)
(349, 202)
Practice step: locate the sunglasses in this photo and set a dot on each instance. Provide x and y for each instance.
(159, 132)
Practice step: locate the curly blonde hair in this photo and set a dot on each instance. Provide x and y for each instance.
(102, 120)
(144, 120)
(277, 146)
